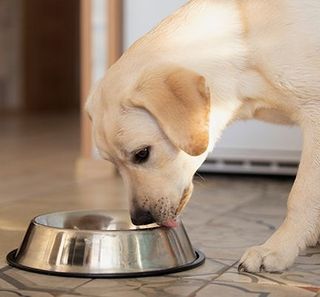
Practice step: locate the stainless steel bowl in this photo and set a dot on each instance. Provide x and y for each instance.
(102, 244)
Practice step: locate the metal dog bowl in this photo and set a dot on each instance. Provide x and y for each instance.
(102, 244)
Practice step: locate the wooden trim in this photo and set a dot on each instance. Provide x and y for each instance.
(85, 75)
(115, 30)
(115, 47)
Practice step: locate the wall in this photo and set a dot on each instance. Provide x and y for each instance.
(99, 39)
(10, 54)
(141, 15)
(51, 55)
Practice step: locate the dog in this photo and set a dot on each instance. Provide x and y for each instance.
(161, 108)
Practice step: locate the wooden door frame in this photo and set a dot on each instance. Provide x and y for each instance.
(115, 30)
(86, 164)
(114, 49)
(85, 75)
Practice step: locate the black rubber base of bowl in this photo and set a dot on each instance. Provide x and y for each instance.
(11, 259)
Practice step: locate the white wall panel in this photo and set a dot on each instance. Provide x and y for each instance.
(142, 15)
(99, 39)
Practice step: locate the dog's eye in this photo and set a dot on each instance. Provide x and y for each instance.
(142, 155)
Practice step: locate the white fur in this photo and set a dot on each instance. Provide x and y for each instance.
(260, 60)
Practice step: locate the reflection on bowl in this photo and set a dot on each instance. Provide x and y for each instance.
(102, 244)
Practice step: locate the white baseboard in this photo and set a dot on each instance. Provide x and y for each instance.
(254, 161)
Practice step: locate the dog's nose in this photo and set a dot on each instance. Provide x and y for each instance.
(141, 217)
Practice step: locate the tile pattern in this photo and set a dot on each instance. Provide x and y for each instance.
(226, 215)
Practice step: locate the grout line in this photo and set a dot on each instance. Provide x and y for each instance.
(79, 286)
(223, 270)
(219, 273)
(5, 268)
(13, 292)
(12, 281)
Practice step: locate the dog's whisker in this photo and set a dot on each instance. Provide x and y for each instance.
(202, 179)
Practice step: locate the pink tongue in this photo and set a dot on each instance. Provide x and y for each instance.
(170, 223)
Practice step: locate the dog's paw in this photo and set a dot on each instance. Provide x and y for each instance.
(262, 258)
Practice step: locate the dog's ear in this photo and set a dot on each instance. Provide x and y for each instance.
(180, 102)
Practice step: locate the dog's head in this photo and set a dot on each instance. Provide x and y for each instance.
(156, 131)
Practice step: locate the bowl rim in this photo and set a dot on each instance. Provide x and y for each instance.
(138, 229)
(198, 261)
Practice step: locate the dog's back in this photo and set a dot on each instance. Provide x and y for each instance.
(284, 40)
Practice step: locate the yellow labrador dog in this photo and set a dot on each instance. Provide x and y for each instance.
(160, 109)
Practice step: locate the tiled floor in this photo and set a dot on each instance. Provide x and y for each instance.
(226, 215)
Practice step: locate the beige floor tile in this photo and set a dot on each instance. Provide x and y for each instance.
(40, 281)
(110, 287)
(10, 240)
(227, 236)
(149, 286)
(5, 285)
(295, 276)
(92, 194)
(215, 197)
(233, 276)
(252, 290)
(23, 293)
(211, 269)
(8, 293)
(74, 295)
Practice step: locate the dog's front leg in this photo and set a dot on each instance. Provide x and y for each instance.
(301, 226)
